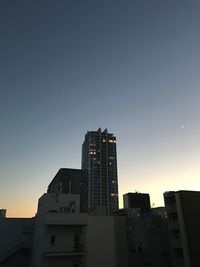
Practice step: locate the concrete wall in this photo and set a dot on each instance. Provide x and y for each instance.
(100, 242)
(60, 262)
(121, 241)
(15, 242)
(188, 208)
(59, 203)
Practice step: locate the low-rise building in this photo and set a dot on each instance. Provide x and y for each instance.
(148, 242)
(65, 237)
(137, 200)
(183, 212)
(16, 241)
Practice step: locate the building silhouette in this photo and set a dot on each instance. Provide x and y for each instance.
(183, 214)
(147, 232)
(137, 200)
(66, 181)
(99, 161)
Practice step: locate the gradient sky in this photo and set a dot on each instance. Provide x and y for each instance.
(71, 66)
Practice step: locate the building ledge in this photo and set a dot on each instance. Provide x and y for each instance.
(66, 219)
(64, 253)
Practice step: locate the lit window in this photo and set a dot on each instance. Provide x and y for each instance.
(110, 141)
(104, 140)
(112, 194)
(113, 181)
(110, 163)
(114, 141)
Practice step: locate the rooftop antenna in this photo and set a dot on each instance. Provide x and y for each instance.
(59, 191)
(60, 188)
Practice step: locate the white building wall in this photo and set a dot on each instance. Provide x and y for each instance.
(60, 203)
(97, 236)
(64, 237)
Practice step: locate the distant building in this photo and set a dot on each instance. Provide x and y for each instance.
(183, 212)
(99, 161)
(66, 181)
(2, 213)
(160, 211)
(147, 235)
(137, 200)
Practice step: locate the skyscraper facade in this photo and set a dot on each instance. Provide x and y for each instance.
(99, 161)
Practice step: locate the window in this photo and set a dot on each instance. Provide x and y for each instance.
(72, 205)
(77, 239)
(53, 240)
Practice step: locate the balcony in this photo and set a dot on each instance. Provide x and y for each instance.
(78, 250)
(66, 219)
(64, 253)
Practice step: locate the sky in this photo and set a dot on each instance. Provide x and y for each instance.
(66, 67)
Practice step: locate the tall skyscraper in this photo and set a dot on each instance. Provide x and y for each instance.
(99, 161)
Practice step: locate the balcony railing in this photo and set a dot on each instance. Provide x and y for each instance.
(66, 219)
(65, 253)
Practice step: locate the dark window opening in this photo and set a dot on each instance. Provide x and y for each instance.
(53, 240)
